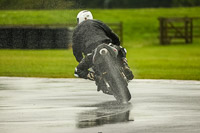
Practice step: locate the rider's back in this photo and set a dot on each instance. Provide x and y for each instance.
(88, 35)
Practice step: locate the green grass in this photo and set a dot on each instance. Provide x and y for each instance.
(140, 25)
(37, 63)
(153, 62)
(146, 57)
(166, 62)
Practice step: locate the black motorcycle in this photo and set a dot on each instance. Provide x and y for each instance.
(108, 66)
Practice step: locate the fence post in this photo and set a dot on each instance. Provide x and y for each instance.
(163, 31)
(191, 30)
(121, 32)
(186, 30)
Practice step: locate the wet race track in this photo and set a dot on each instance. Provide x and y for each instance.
(40, 105)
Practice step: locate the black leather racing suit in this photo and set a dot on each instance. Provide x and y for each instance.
(88, 35)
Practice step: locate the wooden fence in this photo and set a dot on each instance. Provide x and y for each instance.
(43, 36)
(178, 28)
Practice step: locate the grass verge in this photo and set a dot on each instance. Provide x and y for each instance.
(153, 62)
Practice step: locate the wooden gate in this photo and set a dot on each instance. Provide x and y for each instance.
(176, 28)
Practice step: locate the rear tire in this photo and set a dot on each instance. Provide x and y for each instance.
(118, 84)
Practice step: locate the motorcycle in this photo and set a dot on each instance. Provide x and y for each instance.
(108, 66)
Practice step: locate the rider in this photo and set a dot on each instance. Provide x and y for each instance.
(89, 34)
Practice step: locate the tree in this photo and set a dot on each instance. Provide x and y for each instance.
(64, 4)
(36, 4)
(178, 3)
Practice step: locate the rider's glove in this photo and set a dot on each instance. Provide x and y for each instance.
(91, 76)
(81, 73)
(75, 73)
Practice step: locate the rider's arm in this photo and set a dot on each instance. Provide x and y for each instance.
(114, 37)
(77, 53)
(110, 34)
(82, 69)
(77, 47)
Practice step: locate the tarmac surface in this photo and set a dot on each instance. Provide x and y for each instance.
(42, 105)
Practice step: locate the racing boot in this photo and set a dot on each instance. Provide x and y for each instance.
(127, 70)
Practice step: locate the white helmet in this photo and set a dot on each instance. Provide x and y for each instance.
(84, 15)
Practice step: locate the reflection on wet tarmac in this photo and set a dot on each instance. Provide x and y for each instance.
(42, 105)
(105, 113)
